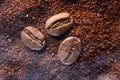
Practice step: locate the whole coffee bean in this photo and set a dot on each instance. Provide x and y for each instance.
(69, 50)
(59, 24)
(33, 38)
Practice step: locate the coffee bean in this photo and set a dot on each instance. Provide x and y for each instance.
(59, 24)
(69, 50)
(33, 38)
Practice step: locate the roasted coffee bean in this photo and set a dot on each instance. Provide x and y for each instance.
(59, 24)
(33, 38)
(69, 50)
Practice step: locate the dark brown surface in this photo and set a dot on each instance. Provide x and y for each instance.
(96, 23)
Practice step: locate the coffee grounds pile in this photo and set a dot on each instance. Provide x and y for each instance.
(96, 23)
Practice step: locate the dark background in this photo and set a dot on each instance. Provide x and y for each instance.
(96, 23)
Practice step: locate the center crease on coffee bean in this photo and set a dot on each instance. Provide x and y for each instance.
(59, 23)
(32, 36)
(71, 51)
